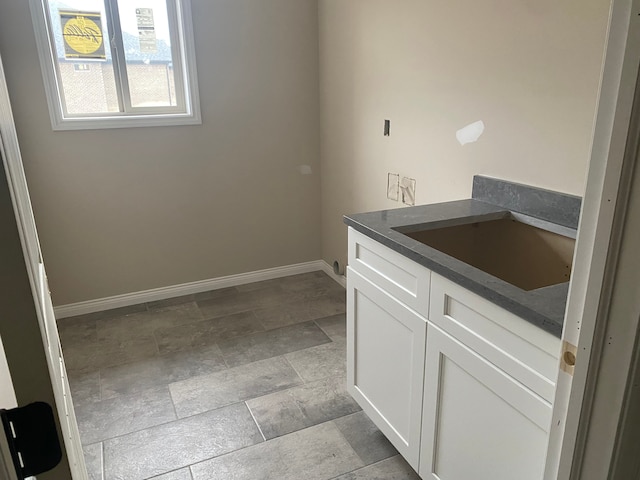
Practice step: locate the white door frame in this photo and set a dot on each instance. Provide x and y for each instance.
(596, 253)
(604, 445)
(17, 185)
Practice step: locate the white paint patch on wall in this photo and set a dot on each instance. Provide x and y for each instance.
(7, 394)
(471, 133)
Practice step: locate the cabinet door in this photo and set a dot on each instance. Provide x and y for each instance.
(478, 422)
(385, 362)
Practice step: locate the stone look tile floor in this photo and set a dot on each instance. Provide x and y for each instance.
(243, 383)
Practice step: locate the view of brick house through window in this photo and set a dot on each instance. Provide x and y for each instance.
(117, 58)
(90, 87)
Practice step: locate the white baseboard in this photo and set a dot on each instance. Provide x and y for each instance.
(163, 293)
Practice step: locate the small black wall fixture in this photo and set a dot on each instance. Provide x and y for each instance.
(33, 438)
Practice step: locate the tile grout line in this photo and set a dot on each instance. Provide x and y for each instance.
(226, 364)
(348, 443)
(103, 470)
(273, 331)
(366, 466)
(322, 329)
(173, 403)
(99, 373)
(284, 356)
(225, 454)
(260, 322)
(167, 422)
(264, 394)
(255, 445)
(278, 438)
(202, 321)
(155, 342)
(246, 447)
(259, 306)
(171, 471)
(150, 426)
(255, 420)
(228, 314)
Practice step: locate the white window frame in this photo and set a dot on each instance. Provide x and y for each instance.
(183, 51)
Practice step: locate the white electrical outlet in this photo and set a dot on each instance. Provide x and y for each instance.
(408, 189)
(393, 186)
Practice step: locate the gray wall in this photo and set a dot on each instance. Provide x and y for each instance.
(126, 210)
(529, 69)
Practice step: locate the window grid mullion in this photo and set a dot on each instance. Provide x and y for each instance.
(178, 55)
(118, 56)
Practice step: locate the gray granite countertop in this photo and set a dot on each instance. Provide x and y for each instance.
(543, 307)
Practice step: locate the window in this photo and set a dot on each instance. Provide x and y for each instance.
(117, 63)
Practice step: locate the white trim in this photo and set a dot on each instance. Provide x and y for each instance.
(186, 79)
(44, 47)
(590, 289)
(163, 293)
(127, 121)
(189, 64)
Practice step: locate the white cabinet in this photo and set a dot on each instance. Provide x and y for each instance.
(478, 421)
(385, 367)
(460, 386)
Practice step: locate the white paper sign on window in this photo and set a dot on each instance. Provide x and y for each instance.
(146, 30)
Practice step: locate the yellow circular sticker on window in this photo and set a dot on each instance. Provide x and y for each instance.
(82, 33)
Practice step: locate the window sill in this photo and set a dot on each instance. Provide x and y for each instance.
(98, 123)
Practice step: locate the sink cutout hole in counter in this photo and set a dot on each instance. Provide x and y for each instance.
(520, 254)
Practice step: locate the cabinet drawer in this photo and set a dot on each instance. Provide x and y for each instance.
(404, 279)
(522, 350)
